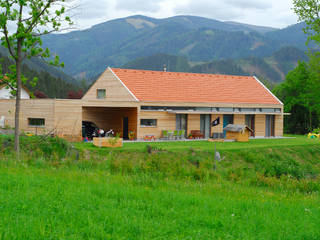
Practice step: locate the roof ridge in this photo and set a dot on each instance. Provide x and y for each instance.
(187, 73)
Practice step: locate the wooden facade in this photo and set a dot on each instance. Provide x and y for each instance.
(64, 117)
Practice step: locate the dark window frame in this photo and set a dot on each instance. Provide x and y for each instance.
(148, 122)
(36, 122)
(104, 95)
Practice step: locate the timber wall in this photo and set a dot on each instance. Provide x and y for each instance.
(115, 91)
(165, 121)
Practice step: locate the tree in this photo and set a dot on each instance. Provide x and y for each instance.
(22, 23)
(300, 95)
(309, 12)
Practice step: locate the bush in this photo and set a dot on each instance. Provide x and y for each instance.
(53, 148)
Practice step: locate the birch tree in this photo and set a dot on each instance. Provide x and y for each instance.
(22, 23)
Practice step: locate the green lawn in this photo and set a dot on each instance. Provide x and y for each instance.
(264, 189)
(68, 204)
(209, 146)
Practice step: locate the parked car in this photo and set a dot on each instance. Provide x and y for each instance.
(90, 130)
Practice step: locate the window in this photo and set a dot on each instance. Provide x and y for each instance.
(267, 110)
(36, 122)
(226, 109)
(101, 93)
(248, 109)
(148, 122)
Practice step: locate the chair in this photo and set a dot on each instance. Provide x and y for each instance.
(165, 134)
(170, 134)
(175, 134)
(182, 134)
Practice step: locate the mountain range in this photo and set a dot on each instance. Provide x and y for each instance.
(273, 68)
(114, 43)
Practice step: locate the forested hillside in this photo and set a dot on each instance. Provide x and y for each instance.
(87, 53)
(272, 68)
(47, 85)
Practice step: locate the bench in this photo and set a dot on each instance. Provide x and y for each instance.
(196, 134)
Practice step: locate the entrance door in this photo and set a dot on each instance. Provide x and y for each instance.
(181, 122)
(270, 124)
(249, 121)
(205, 125)
(227, 119)
(125, 128)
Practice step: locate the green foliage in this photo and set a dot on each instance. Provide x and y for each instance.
(38, 147)
(300, 95)
(308, 11)
(31, 20)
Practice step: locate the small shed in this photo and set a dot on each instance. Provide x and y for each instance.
(240, 133)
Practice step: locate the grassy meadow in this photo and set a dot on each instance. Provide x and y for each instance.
(265, 189)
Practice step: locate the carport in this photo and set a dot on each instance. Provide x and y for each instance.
(121, 119)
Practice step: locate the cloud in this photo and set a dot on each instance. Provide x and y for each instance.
(138, 5)
(248, 4)
(88, 9)
(211, 9)
(277, 13)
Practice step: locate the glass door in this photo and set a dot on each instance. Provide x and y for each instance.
(270, 125)
(249, 121)
(181, 122)
(227, 119)
(205, 125)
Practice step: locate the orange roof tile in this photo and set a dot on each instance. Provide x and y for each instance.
(194, 87)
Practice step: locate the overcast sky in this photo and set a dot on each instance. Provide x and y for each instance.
(273, 13)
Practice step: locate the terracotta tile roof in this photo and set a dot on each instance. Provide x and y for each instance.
(194, 87)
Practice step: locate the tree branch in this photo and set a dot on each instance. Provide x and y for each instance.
(38, 16)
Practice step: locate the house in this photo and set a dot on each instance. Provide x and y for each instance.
(5, 93)
(148, 102)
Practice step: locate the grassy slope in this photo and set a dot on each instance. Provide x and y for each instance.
(265, 189)
(208, 146)
(67, 204)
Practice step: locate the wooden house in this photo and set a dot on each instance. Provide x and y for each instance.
(239, 133)
(148, 102)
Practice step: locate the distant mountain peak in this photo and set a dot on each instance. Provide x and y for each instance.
(139, 23)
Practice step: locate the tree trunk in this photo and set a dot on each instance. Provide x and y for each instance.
(18, 98)
(310, 120)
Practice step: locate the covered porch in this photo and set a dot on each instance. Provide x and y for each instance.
(122, 120)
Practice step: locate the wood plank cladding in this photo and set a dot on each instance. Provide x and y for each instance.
(111, 118)
(260, 125)
(165, 121)
(193, 122)
(278, 126)
(115, 91)
(30, 108)
(239, 119)
(68, 119)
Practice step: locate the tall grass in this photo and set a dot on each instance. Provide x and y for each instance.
(56, 191)
(72, 204)
(295, 168)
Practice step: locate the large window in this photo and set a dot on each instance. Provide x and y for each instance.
(36, 122)
(148, 122)
(101, 93)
